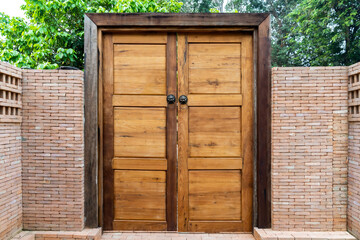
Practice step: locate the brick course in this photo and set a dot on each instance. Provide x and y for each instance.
(309, 148)
(53, 155)
(354, 169)
(10, 165)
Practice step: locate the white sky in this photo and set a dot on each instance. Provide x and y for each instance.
(12, 7)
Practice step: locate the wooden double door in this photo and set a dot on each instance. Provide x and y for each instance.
(177, 131)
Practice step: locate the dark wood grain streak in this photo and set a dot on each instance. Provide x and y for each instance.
(176, 19)
(108, 135)
(91, 125)
(264, 126)
(171, 135)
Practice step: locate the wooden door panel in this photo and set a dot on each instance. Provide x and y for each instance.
(139, 132)
(140, 195)
(214, 195)
(139, 71)
(214, 68)
(215, 72)
(129, 59)
(214, 132)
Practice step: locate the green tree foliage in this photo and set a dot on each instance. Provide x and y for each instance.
(280, 25)
(202, 6)
(54, 34)
(310, 32)
(325, 32)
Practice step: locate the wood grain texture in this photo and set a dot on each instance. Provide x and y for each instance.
(139, 101)
(247, 134)
(140, 163)
(139, 195)
(129, 59)
(183, 116)
(108, 134)
(139, 132)
(137, 225)
(214, 132)
(176, 19)
(215, 163)
(171, 134)
(214, 68)
(140, 37)
(215, 195)
(214, 100)
(101, 132)
(226, 37)
(264, 125)
(91, 124)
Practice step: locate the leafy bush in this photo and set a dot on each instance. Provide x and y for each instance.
(54, 36)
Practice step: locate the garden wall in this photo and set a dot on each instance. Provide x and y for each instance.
(52, 153)
(314, 185)
(354, 150)
(10, 151)
(309, 148)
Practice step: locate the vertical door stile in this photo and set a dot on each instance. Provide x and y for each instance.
(183, 192)
(171, 134)
(108, 135)
(247, 130)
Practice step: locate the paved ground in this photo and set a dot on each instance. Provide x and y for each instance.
(174, 236)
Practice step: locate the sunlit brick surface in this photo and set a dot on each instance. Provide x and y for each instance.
(309, 148)
(53, 156)
(10, 169)
(354, 170)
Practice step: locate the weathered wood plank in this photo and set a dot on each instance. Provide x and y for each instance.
(171, 134)
(214, 132)
(139, 132)
(247, 131)
(140, 163)
(183, 138)
(108, 135)
(215, 163)
(136, 225)
(140, 37)
(139, 195)
(176, 19)
(215, 195)
(91, 124)
(139, 101)
(264, 125)
(214, 100)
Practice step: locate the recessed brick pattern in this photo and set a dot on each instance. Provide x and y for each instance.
(52, 153)
(354, 163)
(309, 148)
(10, 155)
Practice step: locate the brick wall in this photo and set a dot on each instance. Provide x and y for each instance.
(354, 154)
(309, 148)
(10, 151)
(52, 155)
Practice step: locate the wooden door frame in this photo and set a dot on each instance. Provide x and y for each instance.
(97, 23)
